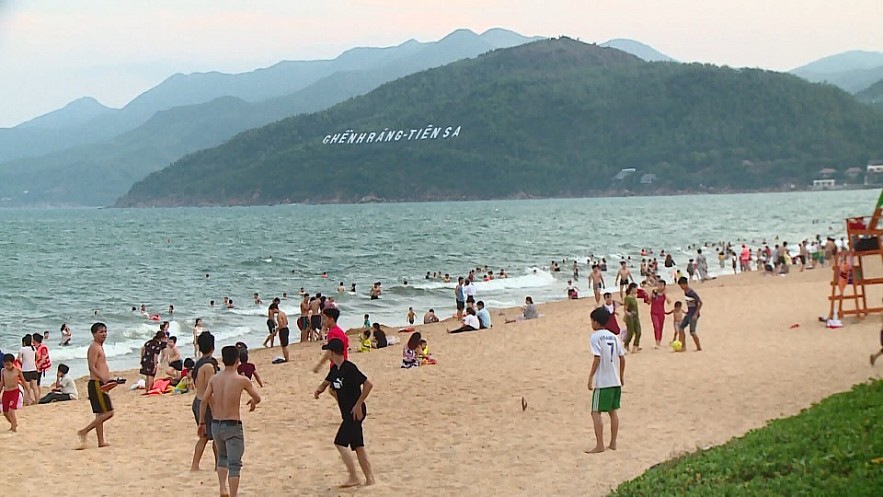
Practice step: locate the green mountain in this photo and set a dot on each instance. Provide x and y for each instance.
(872, 95)
(550, 118)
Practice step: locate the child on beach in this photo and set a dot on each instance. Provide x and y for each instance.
(367, 323)
(224, 395)
(10, 377)
(246, 368)
(677, 315)
(605, 379)
(351, 387)
(365, 343)
(423, 353)
(409, 352)
(411, 315)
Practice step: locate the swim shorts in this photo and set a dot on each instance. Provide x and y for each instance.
(177, 365)
(209, 429)
(271, 326)
(230, 442)
(10, 400)
(283, 336)
(30, 375)
(99, 399)
(689, 321)
(303, 323)
(350, 434)
(606, 399)
(316, 322)
(461, 305)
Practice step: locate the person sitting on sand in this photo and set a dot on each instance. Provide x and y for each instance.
(430, 317)
(470, 322)
(484, 316)
(365, 342)
(64, 388)
(409, 352)
(379, 340)
(528, 311)
(423, 353)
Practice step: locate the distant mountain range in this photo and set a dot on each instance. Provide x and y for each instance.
(853, 71)
(86, 143)
(88, 154)
(548, 118)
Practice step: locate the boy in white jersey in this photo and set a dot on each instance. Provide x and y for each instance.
(606, 378)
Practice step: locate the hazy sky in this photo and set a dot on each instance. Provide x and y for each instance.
(54, 51)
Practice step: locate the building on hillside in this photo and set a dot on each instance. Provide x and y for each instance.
(648, 179)
(823, 184)
(827, 173)
(874, 173)
(624, 173)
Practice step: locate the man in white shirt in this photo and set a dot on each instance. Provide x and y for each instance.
(63, 389)
(469, 291)
(606, 378)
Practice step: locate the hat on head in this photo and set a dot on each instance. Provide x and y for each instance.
(334, 345)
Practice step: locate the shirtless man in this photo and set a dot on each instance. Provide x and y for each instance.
(303, 322)
(430, 317)
(284, 332)
(224, 394)
(316, 317)
(98, 386)
(625, 277)
(596, 281)
(203, 371)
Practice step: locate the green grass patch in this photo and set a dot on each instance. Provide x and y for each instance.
(833, 448)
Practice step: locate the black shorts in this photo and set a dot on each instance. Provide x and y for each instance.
(316, 322)
(40, 375)
(303, 323)
(470, 299)
(461, 305)
(148, 370)
(271, 326)
(780, 260)
(350, 434)
(283, 336)
(31, 375)
(177, 365)
(100, 400)
(194, 406)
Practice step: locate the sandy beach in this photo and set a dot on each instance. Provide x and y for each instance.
(457, 428)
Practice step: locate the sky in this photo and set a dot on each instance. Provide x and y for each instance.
(55, 51)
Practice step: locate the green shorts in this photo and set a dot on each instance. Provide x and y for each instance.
(606, 399)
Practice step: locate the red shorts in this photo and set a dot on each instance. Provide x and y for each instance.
(10, 400)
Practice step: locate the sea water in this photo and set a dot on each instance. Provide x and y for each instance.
(78, 266)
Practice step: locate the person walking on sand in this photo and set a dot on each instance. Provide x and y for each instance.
(98, 386)
(658, 299)
(351, 388)
(694, 306)
(224, 394)
(625, 277)
(606, 379)
(203, 371)
(284, 331)
(596, 281)
(197, 330)
(632, 319)
(10, 377)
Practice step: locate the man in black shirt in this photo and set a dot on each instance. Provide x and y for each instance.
(351, 388)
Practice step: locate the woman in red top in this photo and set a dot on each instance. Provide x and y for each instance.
(658, 299)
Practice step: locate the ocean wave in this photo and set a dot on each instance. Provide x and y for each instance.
(532, 278)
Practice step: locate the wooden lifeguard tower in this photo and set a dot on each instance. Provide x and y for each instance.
(851, 282)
